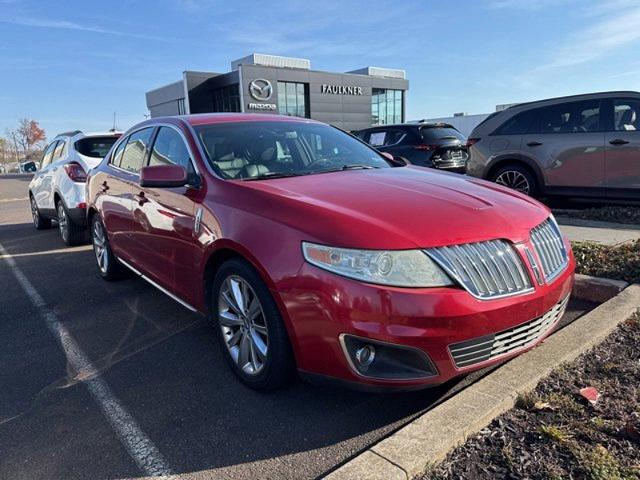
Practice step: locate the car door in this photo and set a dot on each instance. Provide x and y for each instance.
(119, 189)
(42, 181)
(164, 218)
(567, 142)
(623, 149)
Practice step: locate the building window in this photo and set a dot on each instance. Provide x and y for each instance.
(386, 106)
(292, 99)
(181, 110)
(226, 99)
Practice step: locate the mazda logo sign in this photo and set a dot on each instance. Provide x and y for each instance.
(261, 89)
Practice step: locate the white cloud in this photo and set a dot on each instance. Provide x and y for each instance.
(68, 25)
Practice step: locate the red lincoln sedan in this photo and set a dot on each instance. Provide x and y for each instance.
(310, 251)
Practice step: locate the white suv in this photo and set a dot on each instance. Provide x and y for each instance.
(57, 191)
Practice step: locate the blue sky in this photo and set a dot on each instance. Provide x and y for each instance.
(71, 64)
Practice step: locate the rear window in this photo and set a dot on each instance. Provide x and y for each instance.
(518, 124)
(95, 147)
(430, 134)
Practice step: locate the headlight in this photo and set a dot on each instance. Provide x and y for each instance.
(399, 268)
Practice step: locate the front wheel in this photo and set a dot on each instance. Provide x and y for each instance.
(250, 329)
(108, 266)
(39, 221)
(517, 178)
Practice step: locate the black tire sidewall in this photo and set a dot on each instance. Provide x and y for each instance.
(42, 223)
(75, 233)
(533, 183)
(279, 366)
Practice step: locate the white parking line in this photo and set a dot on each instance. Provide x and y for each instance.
(140, 447)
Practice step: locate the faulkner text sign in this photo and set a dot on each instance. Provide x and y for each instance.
(340, 89)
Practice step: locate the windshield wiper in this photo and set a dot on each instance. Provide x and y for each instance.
(266, 175)
(356, 167)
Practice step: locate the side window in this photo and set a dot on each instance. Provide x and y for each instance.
(626, 114)
(586, 116)
(116, 158)
(57, 153)
(377, 139)
(169, 148)
(519, 124)
(136, 150)
(48, 153)
(576, 117)
(555, 119)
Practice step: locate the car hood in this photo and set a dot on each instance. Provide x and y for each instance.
(396, 208)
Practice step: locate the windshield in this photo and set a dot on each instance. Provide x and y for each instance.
(95, 147)
(430, 134)
(257, 150)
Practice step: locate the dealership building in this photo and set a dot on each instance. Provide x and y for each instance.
(271, 84)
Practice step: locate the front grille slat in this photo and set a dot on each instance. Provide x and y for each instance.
(470, 352)
(549, 246)
(487, 270)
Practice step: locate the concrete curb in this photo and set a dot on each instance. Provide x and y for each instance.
(428, 439)
(581, 222)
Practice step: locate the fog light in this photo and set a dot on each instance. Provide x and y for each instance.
(365, 356)
(386, 361)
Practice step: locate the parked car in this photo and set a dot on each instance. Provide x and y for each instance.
(57, 190)
(308, 251)
(578, 146)
(437, 145)
(28, 166)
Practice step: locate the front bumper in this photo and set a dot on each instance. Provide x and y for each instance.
(321, 307)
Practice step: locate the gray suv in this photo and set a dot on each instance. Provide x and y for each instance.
(584, 146)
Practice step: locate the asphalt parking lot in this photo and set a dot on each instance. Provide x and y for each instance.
(162, 366)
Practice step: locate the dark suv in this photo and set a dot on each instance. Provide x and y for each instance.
(581, 146)
(437, 145)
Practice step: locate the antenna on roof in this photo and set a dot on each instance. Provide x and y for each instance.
(114, 121)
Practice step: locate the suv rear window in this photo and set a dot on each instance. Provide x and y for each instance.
(430, 134)
(95, 147)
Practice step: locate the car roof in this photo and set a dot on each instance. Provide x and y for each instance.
(410, 125)
(580, 96)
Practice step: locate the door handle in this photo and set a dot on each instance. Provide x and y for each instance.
(141, 199)
(104, 186)
(618, 141)
(534, 144)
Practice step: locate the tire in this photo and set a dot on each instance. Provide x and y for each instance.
(255, 344)
(108, 266)
(518, 178)
(71, 233)
(39, 221)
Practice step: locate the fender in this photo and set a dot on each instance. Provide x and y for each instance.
(240, 250)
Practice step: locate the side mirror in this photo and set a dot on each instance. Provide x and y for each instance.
(163, 176)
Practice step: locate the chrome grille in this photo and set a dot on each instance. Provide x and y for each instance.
(547, 241)
(485, 269)
(485, 348)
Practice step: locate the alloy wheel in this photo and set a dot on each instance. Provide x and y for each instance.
(35, 215)
(100, 246)
(514, 180)
(62, 221)
(243, 325)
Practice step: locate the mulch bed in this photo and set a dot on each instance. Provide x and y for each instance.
(626, 215)
(621, 262)
(555, 433)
